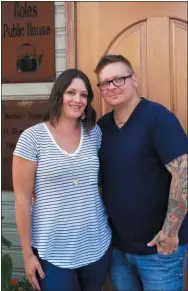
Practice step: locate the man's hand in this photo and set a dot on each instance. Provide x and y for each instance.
(167, 240)
(164, 243)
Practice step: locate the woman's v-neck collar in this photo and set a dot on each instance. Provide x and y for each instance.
(57, 146)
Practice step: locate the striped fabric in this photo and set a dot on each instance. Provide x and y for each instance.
(69, 222)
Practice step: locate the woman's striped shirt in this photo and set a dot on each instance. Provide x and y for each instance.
(69, 222)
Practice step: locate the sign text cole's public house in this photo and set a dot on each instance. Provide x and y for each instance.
(28, 44)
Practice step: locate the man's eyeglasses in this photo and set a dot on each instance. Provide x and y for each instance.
(117, 82)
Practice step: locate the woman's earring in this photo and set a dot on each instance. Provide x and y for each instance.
(83, 116)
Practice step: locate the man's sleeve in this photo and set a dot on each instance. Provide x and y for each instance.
(169, 138)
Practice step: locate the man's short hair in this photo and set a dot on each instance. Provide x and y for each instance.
(109, 59)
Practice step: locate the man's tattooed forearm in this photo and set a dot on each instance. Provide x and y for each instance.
(178, 196)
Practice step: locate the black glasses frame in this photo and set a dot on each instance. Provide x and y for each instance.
(112, 81)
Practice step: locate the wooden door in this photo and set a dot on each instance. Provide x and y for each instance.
(152, 35)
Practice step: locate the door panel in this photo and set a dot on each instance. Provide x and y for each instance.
(158, 71)
(178, 69)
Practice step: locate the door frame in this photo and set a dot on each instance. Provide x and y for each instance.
(70, 35)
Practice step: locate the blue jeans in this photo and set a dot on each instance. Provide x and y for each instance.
(87, 278)
(152, 272)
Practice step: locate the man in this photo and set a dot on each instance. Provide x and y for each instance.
(144, 183)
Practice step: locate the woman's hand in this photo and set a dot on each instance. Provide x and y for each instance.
(32, 265)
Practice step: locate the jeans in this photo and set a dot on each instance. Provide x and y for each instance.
(87, 278)
(149, 272)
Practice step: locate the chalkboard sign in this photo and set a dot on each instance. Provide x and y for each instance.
(16, 117)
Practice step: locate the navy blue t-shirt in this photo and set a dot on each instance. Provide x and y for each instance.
(135, 181)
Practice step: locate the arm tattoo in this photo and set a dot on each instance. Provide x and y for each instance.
(178, 196)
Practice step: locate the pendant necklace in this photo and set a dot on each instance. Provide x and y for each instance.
(74, 174)
(75, 179)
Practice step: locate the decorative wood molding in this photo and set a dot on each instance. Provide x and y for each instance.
(70, 14)
(130, 29)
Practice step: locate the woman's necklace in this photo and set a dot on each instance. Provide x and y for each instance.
(120, 124)
(75, 179)
(74, 164)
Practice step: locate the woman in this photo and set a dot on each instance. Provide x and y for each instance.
(66, 238)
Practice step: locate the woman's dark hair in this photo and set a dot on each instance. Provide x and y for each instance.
(56, 98)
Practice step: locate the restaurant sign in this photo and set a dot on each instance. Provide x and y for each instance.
(28, 44)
